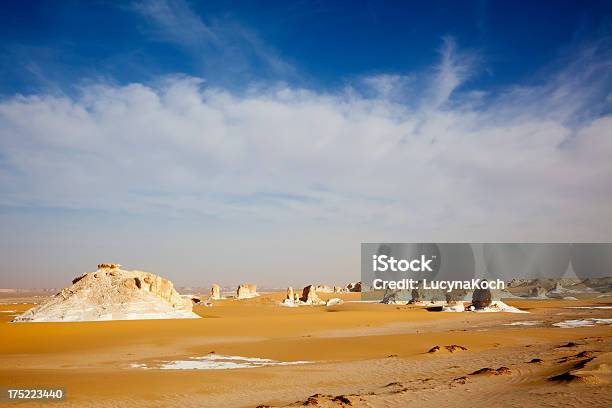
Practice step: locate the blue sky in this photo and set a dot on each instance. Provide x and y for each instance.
(315, 44)
(264, 141)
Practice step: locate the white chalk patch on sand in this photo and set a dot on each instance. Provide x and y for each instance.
(496, 306)
(457, 308)
(334, 302)
(524, 323)
(217, 362)
(500, 307)
(203, 365)
(569, 324)
(75, 317)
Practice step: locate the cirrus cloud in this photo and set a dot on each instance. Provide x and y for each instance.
(528, 162)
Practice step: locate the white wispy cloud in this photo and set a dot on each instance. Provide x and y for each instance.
(534, 163)
(219, 45)
(176, 22)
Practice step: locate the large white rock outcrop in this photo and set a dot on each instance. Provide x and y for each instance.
(111, 293)
(246, 291)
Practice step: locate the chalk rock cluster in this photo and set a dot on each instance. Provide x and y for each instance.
(309, 297)
(246, 291)
(111, 293)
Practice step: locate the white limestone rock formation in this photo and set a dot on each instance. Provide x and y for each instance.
(557, 292)
(353, 287)
(499, 306)
(422, 296)
(215, 292)
(538, 292)
(517, 282)
(499, 294)
(290, 299)
(395, 297)
(324, 289)
(309, 296)
(334, 302)
(481, 298)
(111, 293)
(246, 291)
(454, 306)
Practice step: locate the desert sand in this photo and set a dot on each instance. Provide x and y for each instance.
(351, 354)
